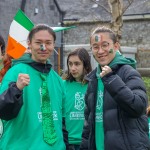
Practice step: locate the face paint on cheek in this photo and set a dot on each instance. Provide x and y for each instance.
(111, 51)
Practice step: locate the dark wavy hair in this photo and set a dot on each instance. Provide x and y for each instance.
(85, 58)
(2, 43)
(7, 60)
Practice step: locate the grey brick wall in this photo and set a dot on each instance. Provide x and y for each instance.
(7, 11)
(135, 33)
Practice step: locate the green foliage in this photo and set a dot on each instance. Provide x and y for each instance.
(147, 84)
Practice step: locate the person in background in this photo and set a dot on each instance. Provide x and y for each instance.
(116, 99)
(32, 98)
(78, 64)
(2, 52)
(5, 60)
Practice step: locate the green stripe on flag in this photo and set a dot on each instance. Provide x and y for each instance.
(58, 29)
(23, 20)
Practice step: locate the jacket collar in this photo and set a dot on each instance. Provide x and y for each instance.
(91, 75)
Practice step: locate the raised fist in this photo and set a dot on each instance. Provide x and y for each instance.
(22, 81)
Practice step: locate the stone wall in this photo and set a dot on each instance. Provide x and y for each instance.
(7, 11)
(135, 33)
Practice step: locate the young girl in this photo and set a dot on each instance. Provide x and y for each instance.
(78, 63)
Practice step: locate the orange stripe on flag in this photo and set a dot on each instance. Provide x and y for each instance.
(14, 48)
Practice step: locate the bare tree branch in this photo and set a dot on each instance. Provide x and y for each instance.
(130, 1)
(116, 10)
(124, 9)
(102, 6)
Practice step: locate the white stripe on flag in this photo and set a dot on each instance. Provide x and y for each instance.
(18, 33)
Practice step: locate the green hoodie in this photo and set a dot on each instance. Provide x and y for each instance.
(99, 129)
(26, 58)
(120, 59)
(25, 131)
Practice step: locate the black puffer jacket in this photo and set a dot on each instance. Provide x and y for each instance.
(124, 106)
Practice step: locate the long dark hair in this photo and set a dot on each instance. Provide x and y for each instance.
(2, 43)
(85, 58)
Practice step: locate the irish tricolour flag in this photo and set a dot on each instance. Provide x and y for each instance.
(18, 33)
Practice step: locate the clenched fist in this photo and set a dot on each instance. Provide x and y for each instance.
(22, 81)
(105, 70)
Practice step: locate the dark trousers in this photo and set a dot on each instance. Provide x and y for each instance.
(74, 147)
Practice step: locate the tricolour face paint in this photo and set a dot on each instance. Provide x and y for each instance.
(97, 38)
(42, 47)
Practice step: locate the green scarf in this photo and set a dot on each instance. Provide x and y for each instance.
(120, 59)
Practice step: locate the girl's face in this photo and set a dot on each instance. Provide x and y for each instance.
(76, 67)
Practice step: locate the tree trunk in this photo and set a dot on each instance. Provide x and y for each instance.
(116, 7)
